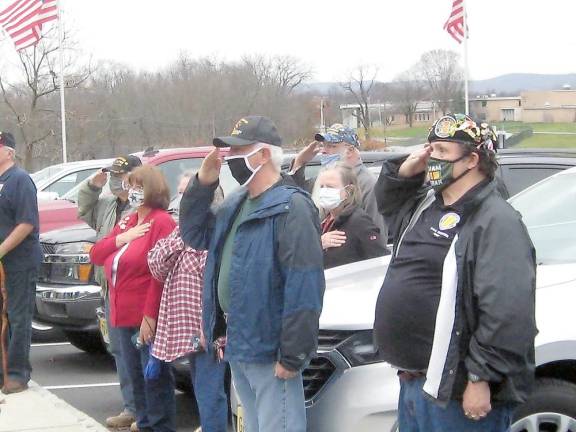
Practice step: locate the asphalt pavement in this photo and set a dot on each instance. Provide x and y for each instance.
(89, 383)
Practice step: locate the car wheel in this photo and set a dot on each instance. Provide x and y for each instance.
(44, 333)
(183, 383)
(90, 343)
(551, 408)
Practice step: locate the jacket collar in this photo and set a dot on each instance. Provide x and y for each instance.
(273, 201)
(473, 198)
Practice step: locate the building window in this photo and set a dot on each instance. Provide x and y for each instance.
(520, 103)
(484, 103)
(508, 115)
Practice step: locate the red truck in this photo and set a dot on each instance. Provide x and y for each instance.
(63, 213)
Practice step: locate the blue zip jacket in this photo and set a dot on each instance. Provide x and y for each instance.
(276, 274)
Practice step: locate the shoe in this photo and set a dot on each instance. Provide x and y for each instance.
(14, 387)
(198, 429)
(122, 420)
(134, 427)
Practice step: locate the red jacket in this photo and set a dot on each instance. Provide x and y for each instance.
(136, 292)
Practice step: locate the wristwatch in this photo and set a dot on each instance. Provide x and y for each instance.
(474, 378)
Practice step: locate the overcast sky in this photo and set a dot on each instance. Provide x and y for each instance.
(331, 36)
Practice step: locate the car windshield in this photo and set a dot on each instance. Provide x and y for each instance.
(46, 173)
(549, 212)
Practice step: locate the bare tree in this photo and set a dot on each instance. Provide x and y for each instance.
(408, 91)
(29, 102)
(444, 77)
(361, 85)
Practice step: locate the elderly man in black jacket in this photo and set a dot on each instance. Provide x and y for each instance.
(456, 313)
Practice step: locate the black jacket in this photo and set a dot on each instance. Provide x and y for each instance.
(362, 239)
(492, 330)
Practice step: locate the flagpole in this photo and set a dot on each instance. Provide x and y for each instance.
(466, 101)
(62, 83)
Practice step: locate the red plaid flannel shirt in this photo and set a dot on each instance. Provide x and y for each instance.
(180, 316)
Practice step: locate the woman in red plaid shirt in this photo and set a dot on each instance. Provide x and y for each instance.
(178, 332)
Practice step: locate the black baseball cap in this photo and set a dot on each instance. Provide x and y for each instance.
(7, 139)
(124, 164)
(251, 130)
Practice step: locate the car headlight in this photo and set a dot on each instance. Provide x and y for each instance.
(70, 262)
(359, 349)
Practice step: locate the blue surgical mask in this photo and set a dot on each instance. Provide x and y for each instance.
(328, 159)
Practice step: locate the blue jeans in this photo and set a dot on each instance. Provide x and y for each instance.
(154, 399)
(21, 290)
(114, 348)
(417, 413)
(208, 376)
(270, 404)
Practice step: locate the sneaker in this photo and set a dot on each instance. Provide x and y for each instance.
(14, 387)
(134, 427)
(122, 420)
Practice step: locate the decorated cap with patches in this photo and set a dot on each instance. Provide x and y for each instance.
(338, 133)
(7, 139)
(251, 130)
(124, 164)
(462, 129)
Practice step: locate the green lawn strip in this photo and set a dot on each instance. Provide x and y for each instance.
(536, 127)
(549, 141)
(414, 132)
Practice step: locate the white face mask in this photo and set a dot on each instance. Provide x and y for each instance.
(135, 197)
(329, 198)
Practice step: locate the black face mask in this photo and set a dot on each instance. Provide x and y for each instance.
(241, 169)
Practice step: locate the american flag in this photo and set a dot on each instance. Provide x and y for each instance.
(455, 24)
(23, 20)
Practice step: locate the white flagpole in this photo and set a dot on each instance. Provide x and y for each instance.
(466, 101)
(62, 83)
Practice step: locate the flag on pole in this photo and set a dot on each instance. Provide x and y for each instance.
(23, 20)
(455, 23)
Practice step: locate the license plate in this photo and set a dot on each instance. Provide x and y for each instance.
(240, 421)
(104, 330)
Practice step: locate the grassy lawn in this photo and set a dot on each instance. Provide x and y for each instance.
(537, 127)
(550, 141)
(414, 132)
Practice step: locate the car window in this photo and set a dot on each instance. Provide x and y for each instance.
(549, 212)
(518, 178)
(46, 173)
(66, 183)
(173, 169)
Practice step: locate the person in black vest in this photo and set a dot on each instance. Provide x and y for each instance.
(21, 257)
(348, 233)
(456, 312)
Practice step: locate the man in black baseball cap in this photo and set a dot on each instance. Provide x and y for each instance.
(102, 212)
(123, 164)
(264, 273)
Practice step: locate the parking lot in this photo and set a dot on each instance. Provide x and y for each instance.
(89, 382)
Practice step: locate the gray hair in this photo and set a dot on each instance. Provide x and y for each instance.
(276, 155)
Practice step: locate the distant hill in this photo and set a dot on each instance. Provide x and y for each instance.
(510, 84)
(517, 82)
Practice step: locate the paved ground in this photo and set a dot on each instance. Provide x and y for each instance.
(89, 383)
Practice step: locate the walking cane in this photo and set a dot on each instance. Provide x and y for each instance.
(4, 332)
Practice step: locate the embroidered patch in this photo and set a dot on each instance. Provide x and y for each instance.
(449, 221)
(445, 127)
